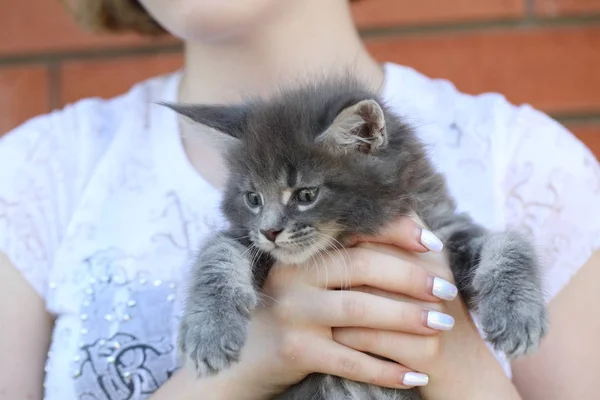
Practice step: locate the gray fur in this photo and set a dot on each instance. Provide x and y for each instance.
(510, 317)
(369, 168)
(218, 311)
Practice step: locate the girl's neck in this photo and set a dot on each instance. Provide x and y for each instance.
(306, 38)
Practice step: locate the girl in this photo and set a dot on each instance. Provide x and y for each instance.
(103, 203)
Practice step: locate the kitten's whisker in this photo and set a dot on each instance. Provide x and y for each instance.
(255, 253)
(339, 244)
(266, 296)
(311, 262)
(315, 257)
(323, 249)
(331, 259)
(344, 269)
(248, 250)
(317, 265)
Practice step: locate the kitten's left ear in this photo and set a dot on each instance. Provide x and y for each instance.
(360, 127)
(228, 120)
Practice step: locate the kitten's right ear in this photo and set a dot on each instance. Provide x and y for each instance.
(360, 127)
(230, 120)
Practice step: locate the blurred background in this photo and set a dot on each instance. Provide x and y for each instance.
(542, 52)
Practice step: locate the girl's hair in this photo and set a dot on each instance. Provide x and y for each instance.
(115, 16)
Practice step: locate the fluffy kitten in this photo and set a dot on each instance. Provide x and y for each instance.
(310, 166)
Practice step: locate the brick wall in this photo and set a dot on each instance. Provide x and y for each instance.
(544, 52)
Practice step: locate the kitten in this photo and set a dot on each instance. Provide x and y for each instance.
(310, 166)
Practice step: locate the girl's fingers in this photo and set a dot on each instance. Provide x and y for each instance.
(335, 359)
(407, 349)
(359, 309)
(364, 267)
(408, 235)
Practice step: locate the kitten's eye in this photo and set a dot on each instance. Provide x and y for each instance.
(307, 195)
(253, 199)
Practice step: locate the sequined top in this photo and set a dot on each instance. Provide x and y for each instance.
(101, 212)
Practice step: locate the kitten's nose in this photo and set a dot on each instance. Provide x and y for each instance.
(271, 234)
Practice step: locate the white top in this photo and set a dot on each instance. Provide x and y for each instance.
(101, 212)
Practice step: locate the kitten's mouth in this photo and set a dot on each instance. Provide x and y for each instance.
(297, 252)
(298, 245)
(289, 253)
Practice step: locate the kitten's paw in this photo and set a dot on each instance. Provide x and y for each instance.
(211, 346)
(515, 328)
(509, 298)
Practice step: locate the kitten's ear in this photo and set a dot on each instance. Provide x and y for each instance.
(360, 127)
(230, 120)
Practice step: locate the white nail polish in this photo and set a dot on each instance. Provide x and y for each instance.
(415, 379)
(429, 240)
(439, 321)
(443, 289)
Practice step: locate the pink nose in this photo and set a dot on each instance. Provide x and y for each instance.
(271, 234)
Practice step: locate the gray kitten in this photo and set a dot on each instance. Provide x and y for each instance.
(309, 167)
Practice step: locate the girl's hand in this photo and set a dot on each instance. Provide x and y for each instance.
(459, 362)
(292, 332)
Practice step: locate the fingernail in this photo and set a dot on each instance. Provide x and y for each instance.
(429, 240)
(415, 379)
(443, 289)
(439, 321)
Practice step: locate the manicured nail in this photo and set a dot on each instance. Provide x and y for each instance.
(439, 321)
(443, 289)
(429, 240)
(415, 379)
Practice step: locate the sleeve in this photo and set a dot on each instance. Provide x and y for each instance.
(551, 183)
(44, 165)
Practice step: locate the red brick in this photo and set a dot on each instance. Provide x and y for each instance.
(33, 26)
(566, 7)
(589, 134)
(380, 13)
(554, 69)
(108, 78)
(23, 94)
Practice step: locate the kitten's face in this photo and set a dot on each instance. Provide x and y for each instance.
(291, 214)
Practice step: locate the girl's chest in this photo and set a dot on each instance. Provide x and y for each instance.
(115, 288)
